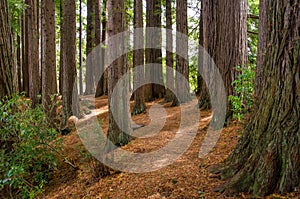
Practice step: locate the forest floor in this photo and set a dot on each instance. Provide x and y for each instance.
(186, 178)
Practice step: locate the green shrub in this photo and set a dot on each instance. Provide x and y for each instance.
(26, 148)
(242, 100)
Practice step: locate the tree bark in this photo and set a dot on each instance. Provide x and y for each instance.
(100, 90)
(99, 68)
(25, 74)
(154, 54)
(203, 93)
(262, 44)
(267, 157)
(32, 48)
(49, 81)
(80, 50)
(116, 24)
(138, 58)
(61, 56)
(182, 67)
(7, 65)
(70, 91)
(104, 24)
(19, 62)
(90, 43)
(225, 38)
(169, 97)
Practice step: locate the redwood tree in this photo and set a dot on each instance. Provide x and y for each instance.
(154, 54)
(138, 57)
(225, 38)
(69, 86)
(262, 43)
(7, 65)
(202, 91)
(80, 48)
(90, 42)
(99, 78)
(49, 81)
(169, 55)
(267, 157)
(182, 66)
(115, 25)
(32, 49)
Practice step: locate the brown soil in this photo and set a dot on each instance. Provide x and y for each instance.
(186, 178)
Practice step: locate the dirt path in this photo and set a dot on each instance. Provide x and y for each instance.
(187, 177)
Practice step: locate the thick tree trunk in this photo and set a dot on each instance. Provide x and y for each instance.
(116, 24)
(169, 97)
(154, 54)
(99, 68)
(202, 91)
(100, 90)
(32, 48)
(138, 58)
(7, 65)
(49, 81)
(267, 157)
(225, 38)
(182, 66)
(90, 42)
(69, 87)
(148, 52)
(262, 44)
(158, 90)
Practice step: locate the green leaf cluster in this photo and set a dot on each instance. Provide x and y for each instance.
(242, 100)
(26, 148)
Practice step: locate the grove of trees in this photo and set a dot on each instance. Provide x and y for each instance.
(45, 67)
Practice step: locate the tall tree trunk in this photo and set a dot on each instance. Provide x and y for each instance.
(182, 66)
(262, 44)
(104, 22)
(32, 48)
(49, 81)
(158, 89)
(25, 74)
(70, 92)
(99, 68)
(90, 42)
(148, 52)
(116, 24)
(169, 97)
(61, 56)
(267, 157)
(40, 43)
(154, 54)
(203, 93)
(7, 65)
(225, 38)
(19, 62)
(138, 58)
(99, 78)
(80, 50)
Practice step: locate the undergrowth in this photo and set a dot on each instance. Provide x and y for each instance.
(28, 147)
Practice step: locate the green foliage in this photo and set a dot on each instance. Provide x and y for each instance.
(26, 148)
(16, 8)
(193, 73)
(242, 101)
